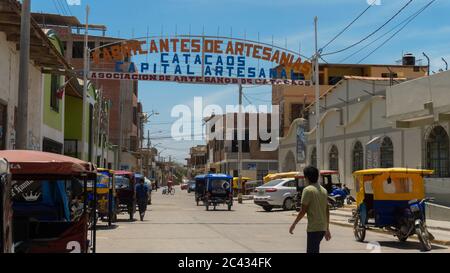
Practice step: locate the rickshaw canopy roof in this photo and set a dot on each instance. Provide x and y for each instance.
(24, 162)
(123, 173)
(214, 175)
(379, 171)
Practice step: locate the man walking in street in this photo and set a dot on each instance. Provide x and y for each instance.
(314, 203)
(142, 198)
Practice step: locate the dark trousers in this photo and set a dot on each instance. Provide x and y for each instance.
(313, 241)
(142, 205)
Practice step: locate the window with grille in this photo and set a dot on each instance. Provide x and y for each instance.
(438, 152)
(387, 153)
(334, 158)
(358, 157)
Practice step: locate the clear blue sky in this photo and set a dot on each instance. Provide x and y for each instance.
(290, 22)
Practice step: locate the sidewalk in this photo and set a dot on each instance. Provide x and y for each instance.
(439, 229)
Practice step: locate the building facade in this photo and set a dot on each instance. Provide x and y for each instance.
(223, 153)
(124, 116)
(196, 163)
(421, 109)
(294, 99)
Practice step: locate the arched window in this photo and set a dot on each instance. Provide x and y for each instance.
(358, 156)
(314, 157)
(438, 152)
(387, 153)
(334, 158)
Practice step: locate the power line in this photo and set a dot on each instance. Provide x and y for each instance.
(381, 36)
(393, 35)
(56, 7)
(372, 33)
(348, 26)
(68, 8)
(62, 7)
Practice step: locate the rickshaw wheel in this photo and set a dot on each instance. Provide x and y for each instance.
(359, 231)
(424, 238)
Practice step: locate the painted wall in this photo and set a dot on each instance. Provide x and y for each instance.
(9, 79)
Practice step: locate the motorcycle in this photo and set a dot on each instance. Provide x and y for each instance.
(413, 222)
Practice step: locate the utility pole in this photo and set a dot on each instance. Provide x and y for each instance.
(119, 156)
(317, 94)
(98, 134)
(85, 86)
(148, 154)
(22, 113)
(428, 65)
(240, 148)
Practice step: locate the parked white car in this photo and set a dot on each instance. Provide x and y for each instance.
(278, 193)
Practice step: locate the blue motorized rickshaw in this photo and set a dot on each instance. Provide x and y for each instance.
(217, 190)
(49, 202)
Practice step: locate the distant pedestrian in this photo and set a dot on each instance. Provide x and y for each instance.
(314, 203)
(142, 198)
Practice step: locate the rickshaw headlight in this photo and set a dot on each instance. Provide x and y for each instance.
(415, 208)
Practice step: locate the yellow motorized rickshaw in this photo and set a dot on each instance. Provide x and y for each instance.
(274, 176)
(106, 195)
(391, 199)
(236, 185)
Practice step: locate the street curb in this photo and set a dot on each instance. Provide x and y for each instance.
(338, 214)
(437, 242)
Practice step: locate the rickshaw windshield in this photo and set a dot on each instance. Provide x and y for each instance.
(46, 200)
(398, 185)
(122, 182)
(219, 183)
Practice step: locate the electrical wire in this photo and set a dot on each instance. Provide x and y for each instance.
(371, 34)
(348, 26)
(56, 7)
(398, 31)
(62, 7)
(68, 8)
(381, 36)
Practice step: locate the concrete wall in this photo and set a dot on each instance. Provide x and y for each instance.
(408, 99)
(9, 79)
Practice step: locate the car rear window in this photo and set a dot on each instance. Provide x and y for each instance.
(274, 183)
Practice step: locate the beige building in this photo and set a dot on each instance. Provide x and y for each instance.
(421, 108)
(292, 99)
(366, 122)
(196, 163)
(44, 56)
(223, 154)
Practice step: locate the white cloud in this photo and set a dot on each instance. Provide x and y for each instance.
(74, 2)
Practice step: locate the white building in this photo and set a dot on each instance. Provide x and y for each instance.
(353, 124)
(421, 108)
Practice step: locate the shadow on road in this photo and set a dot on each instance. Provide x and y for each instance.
(276, 211)
(106, 227)
(409, 245)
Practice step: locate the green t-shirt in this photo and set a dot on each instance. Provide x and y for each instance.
(316, 198)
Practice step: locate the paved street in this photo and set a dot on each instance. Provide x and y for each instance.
(176, 224)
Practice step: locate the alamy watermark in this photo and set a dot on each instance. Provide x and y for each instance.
(212, 122)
